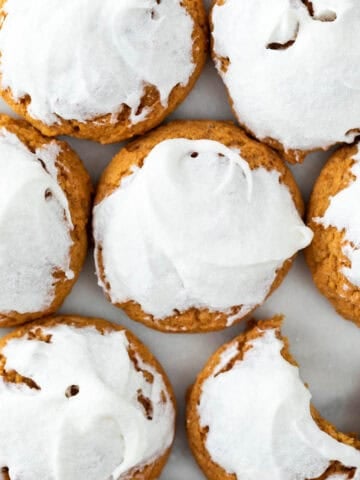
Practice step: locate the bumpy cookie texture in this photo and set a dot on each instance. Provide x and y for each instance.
(333, 215)
(249, 416)
(102, 70)
(111, 417)
(44, 209)
(264, 52)
(194, 226)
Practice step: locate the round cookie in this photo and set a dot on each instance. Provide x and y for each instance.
(112, 416)
(101, 70)
(289, 83)
(194, 226)
(44, 208)
(333, 257)
(249, 416)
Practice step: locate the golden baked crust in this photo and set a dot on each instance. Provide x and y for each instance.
(34, 330)
(193, 320)
(197, 434)
(325, 256)
(102, 129)
(75, 182)
(291, 155)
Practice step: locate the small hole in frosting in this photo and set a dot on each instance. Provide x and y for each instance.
(335, 467)
(42, 163)
(146, 404)
(72, 391)
(282, 40)
(353, 134)
(280, 46)
(154, 14)
(326, 16)
(48, 194)
(194, 155)
(221, 155)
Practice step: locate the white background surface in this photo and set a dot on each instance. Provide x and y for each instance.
(326, 346)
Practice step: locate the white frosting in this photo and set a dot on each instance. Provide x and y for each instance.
(343, 214)
(305, 96)
(35, 225)
(103, 431)
(186, 232)
(90, 57)
(259, 419)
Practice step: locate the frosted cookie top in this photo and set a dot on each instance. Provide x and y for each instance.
(285, 71)
(257, 414)
(95, 409)
(343, 214)
(195, 227)
(35, 225)
(91, 58)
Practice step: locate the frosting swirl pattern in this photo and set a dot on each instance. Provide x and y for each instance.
(89, 58)
(195, 227)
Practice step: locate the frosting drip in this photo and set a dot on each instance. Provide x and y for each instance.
(259, 419)
(84, 69)
(35, 225)
(287, 76)
(195, 227)
(344, 215)
(102, 431)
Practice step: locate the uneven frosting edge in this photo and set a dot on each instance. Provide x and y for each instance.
(342, 213)
(259, 419)
(149, 237)
(76, 76)
(36, 224)
(270, 47)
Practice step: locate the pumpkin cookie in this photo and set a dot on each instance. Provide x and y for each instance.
(249, 416)
(289, 82)
(44, 208)
(334, 256)
(87, 400)
(195, 225)
(103, 70)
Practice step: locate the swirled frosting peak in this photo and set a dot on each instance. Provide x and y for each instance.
(196, 227)
(82, 59)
